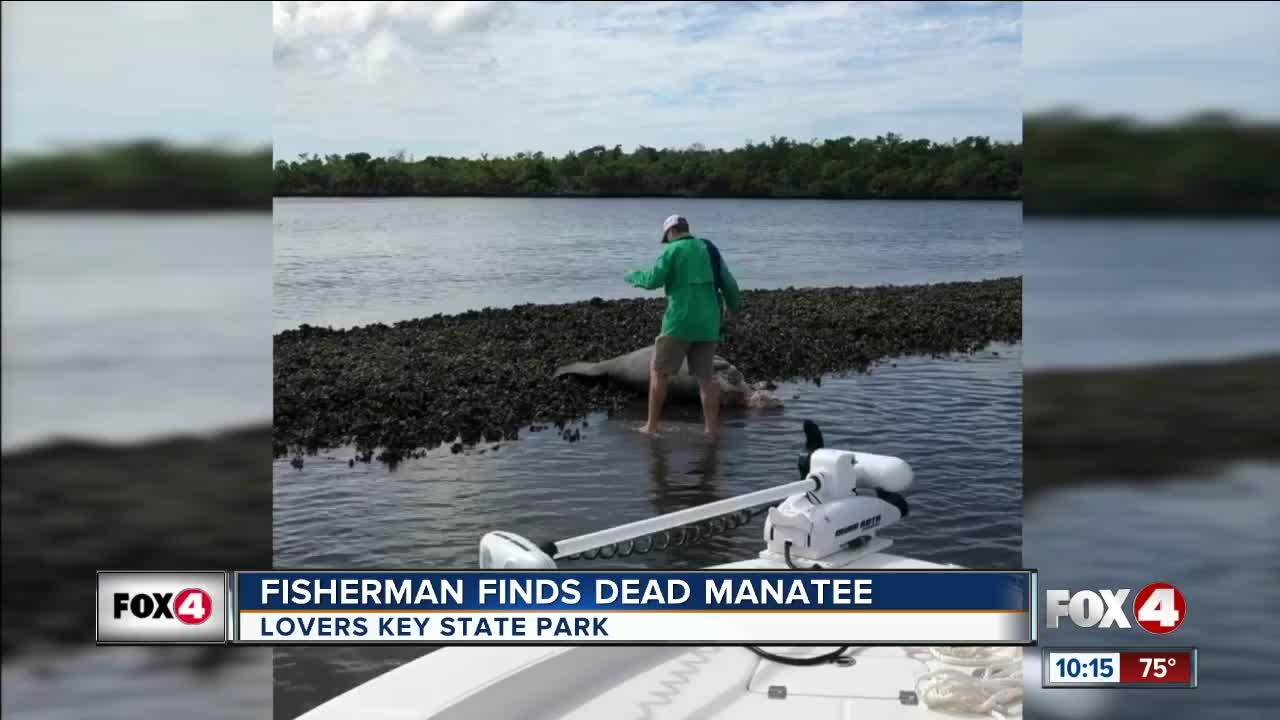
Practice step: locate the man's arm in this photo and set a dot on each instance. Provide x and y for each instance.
(729, 288)
(653, 279)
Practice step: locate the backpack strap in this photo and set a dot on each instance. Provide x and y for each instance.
(714, 252)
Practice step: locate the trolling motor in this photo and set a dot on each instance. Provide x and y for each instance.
(830, 516)
(855, 495)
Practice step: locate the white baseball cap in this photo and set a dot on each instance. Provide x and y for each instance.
(671, 222)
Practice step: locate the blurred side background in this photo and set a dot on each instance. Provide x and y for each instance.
(136, 339)
(1152, 315)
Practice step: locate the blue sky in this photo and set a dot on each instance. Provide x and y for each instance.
(467, 78)
(76, 73)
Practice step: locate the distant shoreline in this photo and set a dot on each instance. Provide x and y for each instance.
(886, 166)
(1207, 165)
(146, 175)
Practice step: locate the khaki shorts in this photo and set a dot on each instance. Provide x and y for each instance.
(670, 353)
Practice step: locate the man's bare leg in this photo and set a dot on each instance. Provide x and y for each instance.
(657, 397)
(710, 406)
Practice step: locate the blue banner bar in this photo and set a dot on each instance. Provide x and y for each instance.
(638, 590)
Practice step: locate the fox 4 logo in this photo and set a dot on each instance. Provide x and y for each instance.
(191, 606)
(161, 607)
(1158, 608)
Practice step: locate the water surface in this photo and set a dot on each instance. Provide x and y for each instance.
(1216, 539)
(958, 421)
(121, 328)
(1130, 292)
(124, 327)
(132, 683)
(346, 262)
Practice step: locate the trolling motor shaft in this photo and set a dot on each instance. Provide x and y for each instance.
(843, 499)
(505, 550)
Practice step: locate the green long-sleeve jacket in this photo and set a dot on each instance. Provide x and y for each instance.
(693, 304)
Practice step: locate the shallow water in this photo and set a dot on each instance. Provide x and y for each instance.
(1108, 292)
(1125, 292)
(957, 421)
(132, 683)
(123, 327)
(1217, 539)
(351, 262)
(1214, 540)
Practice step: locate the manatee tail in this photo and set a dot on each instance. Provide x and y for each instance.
(585, 369)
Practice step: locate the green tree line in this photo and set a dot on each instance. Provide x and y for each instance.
(1211, 164)
(141, 175)
(883, 167)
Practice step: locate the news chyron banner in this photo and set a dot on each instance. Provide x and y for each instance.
(488, 607)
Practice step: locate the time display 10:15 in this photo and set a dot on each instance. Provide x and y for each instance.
(1083, 667)
(1097, 667)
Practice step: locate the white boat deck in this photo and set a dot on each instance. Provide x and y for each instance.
(621, 683)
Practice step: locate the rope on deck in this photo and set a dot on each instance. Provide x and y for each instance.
(993, 687)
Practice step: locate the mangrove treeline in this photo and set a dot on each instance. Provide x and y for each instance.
(1212, 164)
(883, 167)
(1209, 165)
(142, 175)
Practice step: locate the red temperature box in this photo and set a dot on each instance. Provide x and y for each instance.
(1172, 667)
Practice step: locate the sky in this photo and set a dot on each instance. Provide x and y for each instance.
(1156, 61)
(498, 77)
(494, 77)
(188, 72)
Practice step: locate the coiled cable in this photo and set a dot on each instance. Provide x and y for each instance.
(810, 660)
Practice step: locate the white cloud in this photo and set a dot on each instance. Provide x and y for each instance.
(364, 37)
(187, 71)
(466, 78)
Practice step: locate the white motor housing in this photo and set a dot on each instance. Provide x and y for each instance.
(508, 551)
(842, 472)
(817, 530)
(856, 495)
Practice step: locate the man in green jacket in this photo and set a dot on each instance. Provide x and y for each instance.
(695, 277)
